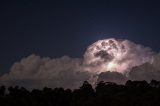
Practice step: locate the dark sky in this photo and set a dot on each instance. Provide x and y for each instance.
(57, 28)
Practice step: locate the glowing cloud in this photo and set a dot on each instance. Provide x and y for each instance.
(108, 60)
(116, 55)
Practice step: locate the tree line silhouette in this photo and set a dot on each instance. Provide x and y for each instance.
(133, 93)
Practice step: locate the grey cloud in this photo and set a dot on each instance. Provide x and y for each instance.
(115, 77)
(147, 71)
(36, 72)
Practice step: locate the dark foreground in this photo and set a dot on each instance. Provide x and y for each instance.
(133, 93)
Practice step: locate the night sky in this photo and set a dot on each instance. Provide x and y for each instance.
(54, 29)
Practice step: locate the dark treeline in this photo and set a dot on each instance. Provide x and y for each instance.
(133, 93)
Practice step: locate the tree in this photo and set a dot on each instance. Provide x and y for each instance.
(2, 90)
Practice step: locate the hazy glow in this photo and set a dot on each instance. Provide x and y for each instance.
(112, 66)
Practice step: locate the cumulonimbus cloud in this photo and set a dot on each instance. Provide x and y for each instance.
(36, 72)
(146, 71)
(116, 55)
(109, 60)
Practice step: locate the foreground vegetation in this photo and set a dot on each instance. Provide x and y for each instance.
(133, 93)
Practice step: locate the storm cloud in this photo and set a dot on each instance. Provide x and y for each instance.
(36, 72)
(146, 71)
(125, 59)
(116, 55)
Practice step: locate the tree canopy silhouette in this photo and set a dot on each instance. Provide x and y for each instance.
(133, 93)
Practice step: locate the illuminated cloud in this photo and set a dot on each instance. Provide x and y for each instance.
(116, 55)
(109, 60)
